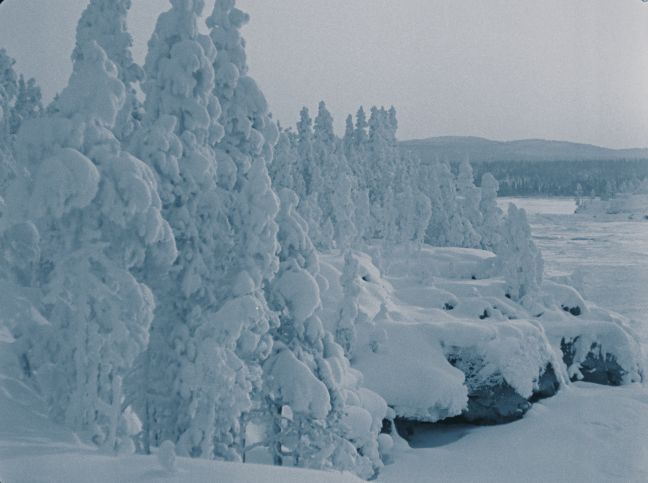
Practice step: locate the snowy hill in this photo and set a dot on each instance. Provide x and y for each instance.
(476, 149)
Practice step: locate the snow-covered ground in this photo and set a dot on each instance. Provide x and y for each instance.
(586, 433)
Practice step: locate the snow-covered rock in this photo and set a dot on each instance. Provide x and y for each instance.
(437, 336)
(595, 344)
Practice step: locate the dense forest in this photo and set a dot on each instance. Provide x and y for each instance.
(564, 178)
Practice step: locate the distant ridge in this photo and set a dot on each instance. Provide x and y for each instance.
(477, 150)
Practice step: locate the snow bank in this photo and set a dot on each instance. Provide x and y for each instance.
(436, 331)
(584, 333)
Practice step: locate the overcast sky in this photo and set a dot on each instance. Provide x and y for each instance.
(504, 69)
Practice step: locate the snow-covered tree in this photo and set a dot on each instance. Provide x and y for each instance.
(283, 169)
(469, 198)
(305, 152)
(447, 227)
(8, 93)
(308, 181)
(346, 334)
(312, 393)
(349, 135)
(244, 151)
(20, 101)
(190, 372)
(361, 126)
(104, 21)
(343, 209)
(97, 214)
(517, 255)
(335, 197)
(291, 384)
(28, 104)
(490, 230)
(327, 165)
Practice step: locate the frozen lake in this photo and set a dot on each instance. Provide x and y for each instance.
(611, 256)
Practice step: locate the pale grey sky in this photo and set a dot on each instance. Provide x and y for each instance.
(505, 69)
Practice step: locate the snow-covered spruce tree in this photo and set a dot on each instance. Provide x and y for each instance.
(104, 21)
(349, 135)
(437, 229)
(409, 213)
(97, 213)
(309, 182)
(283, 169)
(517, 255)
(8, 90)
(28, 103)
(338, 183)
(20, 100)
(346, 334)
(210, 331)
(310, 177)
(448, 225)
(8, 93)
(313, 397)
(378, 169)
(491, 227)
(360, 135)
(388, 187)
(343, 208)
(469, 199)
(19, 244)
(252, 205)
(327, 164)
(356, 160)
(398, 204)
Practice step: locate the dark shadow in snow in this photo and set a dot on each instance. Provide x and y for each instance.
(431, 435)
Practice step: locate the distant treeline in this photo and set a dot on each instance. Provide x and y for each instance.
(564, 178)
